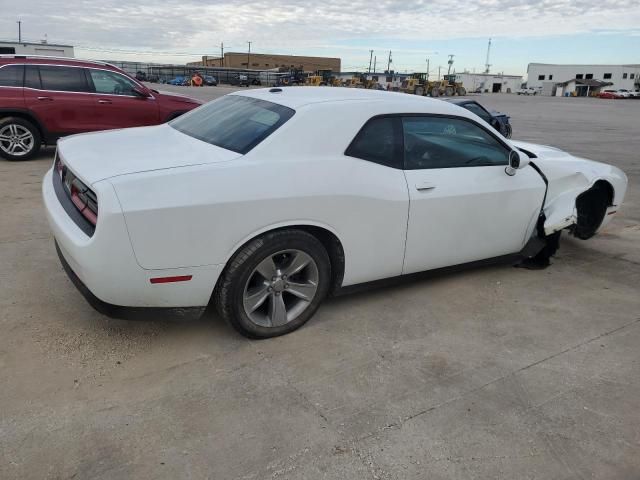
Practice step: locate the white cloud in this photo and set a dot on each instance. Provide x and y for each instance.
(292, 26)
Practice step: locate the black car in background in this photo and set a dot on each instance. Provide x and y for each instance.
(209, 80)
(497, 120)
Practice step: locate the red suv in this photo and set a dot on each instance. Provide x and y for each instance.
(44, 98)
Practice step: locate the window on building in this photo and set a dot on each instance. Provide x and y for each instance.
(244, 64)
(632, 76)
(550, 77)
(589, 76)
(624, 76)
(607, 76)
(579, 76)
(7, 50)
(255, 64)
(540, 77)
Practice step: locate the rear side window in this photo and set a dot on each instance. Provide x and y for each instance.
(63, 79)
(379, 141)
(32, 77)
(478, 110)
(443, 142)
(233, 122)
(11, 76)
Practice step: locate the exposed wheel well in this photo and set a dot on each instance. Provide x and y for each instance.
(592, 207)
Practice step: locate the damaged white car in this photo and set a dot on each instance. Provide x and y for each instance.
(266, 201)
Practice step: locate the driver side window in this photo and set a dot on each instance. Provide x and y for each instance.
(112, 83)
(442, 142)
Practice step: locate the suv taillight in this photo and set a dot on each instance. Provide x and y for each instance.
(84, 199)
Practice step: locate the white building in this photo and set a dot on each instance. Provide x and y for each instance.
(26, 48)
(489, 82)
(621, 76)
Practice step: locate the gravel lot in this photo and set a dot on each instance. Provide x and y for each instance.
(491, 373)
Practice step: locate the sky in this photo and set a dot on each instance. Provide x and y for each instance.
(167, 31)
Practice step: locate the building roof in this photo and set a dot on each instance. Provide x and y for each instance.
(40, 44)
(587, 81)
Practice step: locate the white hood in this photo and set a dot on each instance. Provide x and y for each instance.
(100, 155)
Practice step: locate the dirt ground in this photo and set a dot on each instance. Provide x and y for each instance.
(491, 373)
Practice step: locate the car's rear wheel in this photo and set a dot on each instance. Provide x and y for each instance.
(274, 284)
(19, 139)
(507, 130)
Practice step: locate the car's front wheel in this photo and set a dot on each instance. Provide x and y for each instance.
(274, 284)
(19, 139)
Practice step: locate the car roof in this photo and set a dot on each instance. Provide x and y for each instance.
(45, 59)
(296, 97)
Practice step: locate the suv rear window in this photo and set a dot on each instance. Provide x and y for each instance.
(233, 122)
(11, 76)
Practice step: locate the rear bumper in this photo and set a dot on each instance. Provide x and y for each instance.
(128, 313)
(106, 267)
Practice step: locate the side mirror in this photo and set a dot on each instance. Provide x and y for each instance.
(517, 160)
(141, 92)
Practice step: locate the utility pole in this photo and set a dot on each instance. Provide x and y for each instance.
(450, 62)
(222, 54)
(389, 63)
(487, 65)
(375, 58)
(19, 22)
(249, 54)
(427, 69)
(370, 58)
(439, 68)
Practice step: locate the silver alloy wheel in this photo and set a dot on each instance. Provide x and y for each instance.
(16, 140)
(280, 288)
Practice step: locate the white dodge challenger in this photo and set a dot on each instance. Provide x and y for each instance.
(266, 201)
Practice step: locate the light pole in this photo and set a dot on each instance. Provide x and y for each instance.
(427, 69)
(249, 55)
(19, 22)
(370, 58)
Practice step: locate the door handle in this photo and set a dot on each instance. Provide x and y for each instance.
(425, 186)
(102, 100)
(45, 99)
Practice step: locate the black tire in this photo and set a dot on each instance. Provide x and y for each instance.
(228, 294)
(22, 124)
(508, 130)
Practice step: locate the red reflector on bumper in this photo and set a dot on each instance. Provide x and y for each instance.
(180, 278)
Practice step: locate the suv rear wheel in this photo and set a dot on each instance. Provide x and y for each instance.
(19, 139)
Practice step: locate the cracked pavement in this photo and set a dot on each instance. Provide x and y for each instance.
(491, 373)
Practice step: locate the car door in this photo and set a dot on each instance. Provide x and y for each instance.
(59, 96)
(463, 205)
(117, 104)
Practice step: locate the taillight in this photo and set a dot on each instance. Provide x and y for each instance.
(83, 198)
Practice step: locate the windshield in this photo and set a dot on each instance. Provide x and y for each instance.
(233, 122)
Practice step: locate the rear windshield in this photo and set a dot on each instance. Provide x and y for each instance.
(233, 122)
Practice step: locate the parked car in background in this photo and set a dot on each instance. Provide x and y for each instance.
(624, 93)
(611, 94)
(210, 80)
(245, 204)
(497, 120)
(180, 80)
(44, 98)
(528, 91)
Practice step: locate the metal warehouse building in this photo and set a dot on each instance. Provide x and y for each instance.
(26, 48)
(489, 82)
(620, 76)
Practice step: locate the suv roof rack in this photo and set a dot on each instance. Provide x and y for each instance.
(52, 57)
